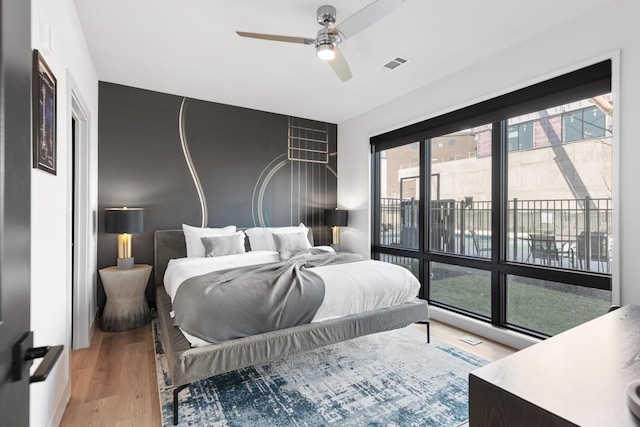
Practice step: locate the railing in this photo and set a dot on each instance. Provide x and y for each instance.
(577, 233)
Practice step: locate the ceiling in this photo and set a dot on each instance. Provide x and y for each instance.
(190, 48)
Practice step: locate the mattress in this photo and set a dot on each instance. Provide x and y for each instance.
(350, 288)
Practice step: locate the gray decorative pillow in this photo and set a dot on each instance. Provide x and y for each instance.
(261, 238)
(192, 237)
(290, 243)
(223, 245)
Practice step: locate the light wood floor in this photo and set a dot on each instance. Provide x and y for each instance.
(113, 381)
(487, 349)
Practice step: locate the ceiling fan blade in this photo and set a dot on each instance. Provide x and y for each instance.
(365, 17)
(288, 39)
(340, 66)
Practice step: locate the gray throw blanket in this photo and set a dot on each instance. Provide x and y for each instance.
(239, 302)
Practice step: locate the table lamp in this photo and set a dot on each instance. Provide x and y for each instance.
(124, 221)
(336, 218)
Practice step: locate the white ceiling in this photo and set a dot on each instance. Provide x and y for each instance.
(190, 48)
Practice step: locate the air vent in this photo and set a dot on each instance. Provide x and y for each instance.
(394, 63)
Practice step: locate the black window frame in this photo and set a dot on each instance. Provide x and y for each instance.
(580, 84)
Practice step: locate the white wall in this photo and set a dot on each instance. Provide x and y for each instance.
(50, 206)
(610, 31)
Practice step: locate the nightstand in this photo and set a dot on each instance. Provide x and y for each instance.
(126, 306)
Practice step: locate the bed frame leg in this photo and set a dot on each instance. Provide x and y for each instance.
(426, 323)
(175, 402)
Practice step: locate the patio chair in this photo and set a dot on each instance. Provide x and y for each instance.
(545, 248)
(479, 247)
(598, 248)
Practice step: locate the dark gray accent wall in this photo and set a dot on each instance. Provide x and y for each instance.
(238, 154)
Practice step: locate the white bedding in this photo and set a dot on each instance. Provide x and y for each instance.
(350, 288)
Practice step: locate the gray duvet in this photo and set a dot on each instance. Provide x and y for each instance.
(235, 303)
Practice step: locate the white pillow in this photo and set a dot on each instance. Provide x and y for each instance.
(223, 245)
(261, 238)
(192, 236)
(290, 243)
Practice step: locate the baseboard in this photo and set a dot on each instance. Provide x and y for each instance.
(92, 326)
(503, 336)
(65, 396)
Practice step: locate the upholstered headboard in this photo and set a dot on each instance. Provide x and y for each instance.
(170, 244)
(167, 244)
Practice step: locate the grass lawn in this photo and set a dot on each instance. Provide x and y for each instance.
(547, 307)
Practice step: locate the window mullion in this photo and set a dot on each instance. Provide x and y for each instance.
(425, 197)
(498, 177)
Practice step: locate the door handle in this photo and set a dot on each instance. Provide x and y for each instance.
(24, 354)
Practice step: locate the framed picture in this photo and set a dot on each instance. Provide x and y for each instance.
(44, 115)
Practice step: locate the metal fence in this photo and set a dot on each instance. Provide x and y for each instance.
(567, 233)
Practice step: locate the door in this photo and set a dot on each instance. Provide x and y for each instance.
(15, 217)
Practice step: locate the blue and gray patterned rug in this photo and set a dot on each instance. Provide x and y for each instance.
(388, 379)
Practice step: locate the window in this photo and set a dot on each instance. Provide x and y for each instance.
(584, 123)
(563, 306)
(460, 197)
(572, 126)
(399, 197)
(594, 121)
(461, 287)
(559, 197)
(520, 136)
(500, 219)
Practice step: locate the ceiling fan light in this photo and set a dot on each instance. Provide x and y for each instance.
(325, 52)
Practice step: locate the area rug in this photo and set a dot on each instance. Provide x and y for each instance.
(387, 379)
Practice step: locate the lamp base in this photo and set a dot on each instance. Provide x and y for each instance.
(335, 240)
(125, 263)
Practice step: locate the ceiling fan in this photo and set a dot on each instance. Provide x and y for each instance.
(328, 38)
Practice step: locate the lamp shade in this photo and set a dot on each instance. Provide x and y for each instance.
(336, 218)
(124, 220)
(325, 51)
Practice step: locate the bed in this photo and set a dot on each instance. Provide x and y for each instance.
(188, 364)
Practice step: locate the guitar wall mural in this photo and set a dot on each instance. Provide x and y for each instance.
(209, 164)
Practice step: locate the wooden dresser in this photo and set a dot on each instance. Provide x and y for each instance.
(578, 377)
